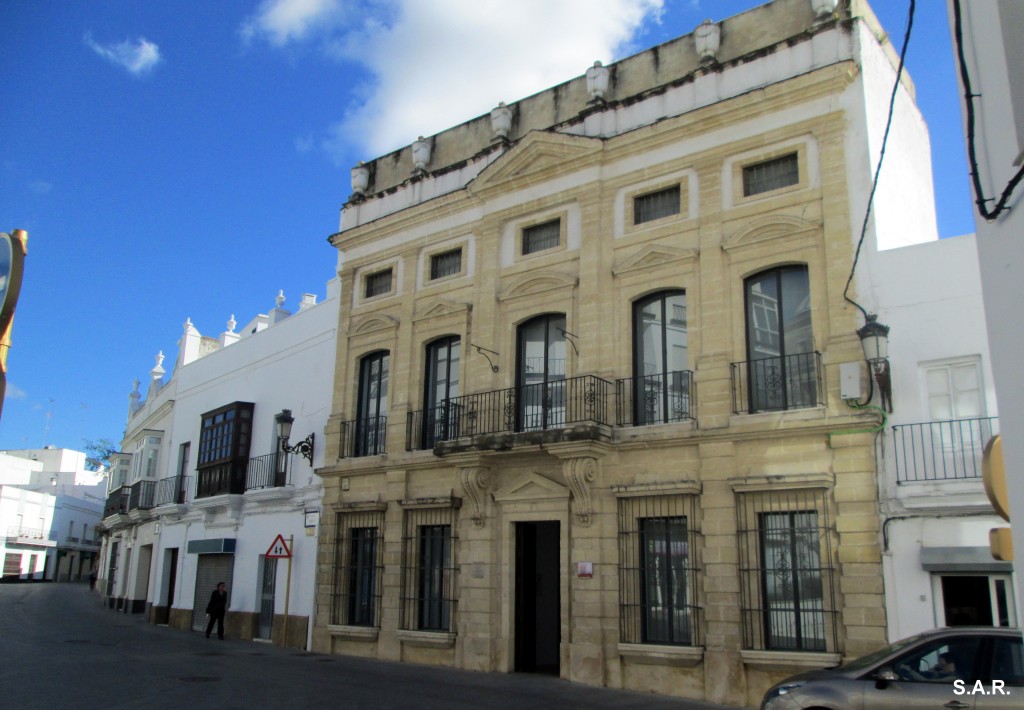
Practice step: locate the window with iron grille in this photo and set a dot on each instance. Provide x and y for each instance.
(541, 236)
(657, 570)
(378, 284)
(786, 569)
(655, 205)
(358, 568)
(428, 569)
(447, 263)
(770, 175)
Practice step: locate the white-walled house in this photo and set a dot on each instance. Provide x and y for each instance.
(935, 514)
(994, 66)
(54, 517)
(200, 491)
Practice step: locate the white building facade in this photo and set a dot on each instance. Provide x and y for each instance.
(993, 63)
(202, 489)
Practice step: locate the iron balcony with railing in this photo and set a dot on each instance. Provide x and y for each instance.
(140, 495)
(117, 503)
(776, 384)
(171, 491)
(552, 405)
(947, 450)
(655, 399)
(364, 437)
(268, 471)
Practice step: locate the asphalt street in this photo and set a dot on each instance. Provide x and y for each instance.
(60, 648)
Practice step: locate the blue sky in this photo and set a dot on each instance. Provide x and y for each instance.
(182, 159)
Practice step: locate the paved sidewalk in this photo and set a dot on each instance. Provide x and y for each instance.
(62, 649)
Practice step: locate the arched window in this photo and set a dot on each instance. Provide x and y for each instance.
(540, 373)
(661, 390)
(372, 415)
(782, 367)
(441, 387)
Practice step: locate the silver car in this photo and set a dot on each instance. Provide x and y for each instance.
(978, 668)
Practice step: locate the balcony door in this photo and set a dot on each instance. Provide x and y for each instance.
(440, 421)
(781, 367)
(540, 373)
(661, 392)
(371, 424)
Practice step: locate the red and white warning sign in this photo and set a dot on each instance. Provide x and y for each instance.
(278, 549)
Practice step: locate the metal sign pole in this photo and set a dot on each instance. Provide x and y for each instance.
(288, 588)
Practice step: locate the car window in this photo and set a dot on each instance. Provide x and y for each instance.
(1008, 661)
(940, 661)
(865, 662)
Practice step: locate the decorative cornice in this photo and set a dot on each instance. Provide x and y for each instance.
(534, 282)
(768, 229)
(371, 323)
(437, 307)
(654, 257)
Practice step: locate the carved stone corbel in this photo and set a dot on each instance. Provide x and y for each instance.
(579, 473)
(475, 482)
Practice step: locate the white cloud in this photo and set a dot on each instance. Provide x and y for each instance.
(14, 392)
(444, 62)
(304, 143)
(138, 57)
(284, 21)
(40, 187)
(435, 64)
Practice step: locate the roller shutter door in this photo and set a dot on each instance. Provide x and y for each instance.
(210, 570)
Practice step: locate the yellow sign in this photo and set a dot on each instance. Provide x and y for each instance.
(993, 474)
(1000, 542)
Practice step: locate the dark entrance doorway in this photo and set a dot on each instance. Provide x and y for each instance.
(538, 607)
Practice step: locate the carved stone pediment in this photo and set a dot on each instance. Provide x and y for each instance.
(438, 307)
(539, 152)
(371, 323)
(530, 486)
(768, 229)
(655, 257)
(537, 282)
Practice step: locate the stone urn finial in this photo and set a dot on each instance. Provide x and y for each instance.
(708, 37)
(501, 122)
(597, 82)
(360, 179)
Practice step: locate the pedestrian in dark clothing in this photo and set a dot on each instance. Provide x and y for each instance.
(216, 609)
(92, 579)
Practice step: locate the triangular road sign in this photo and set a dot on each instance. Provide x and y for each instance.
(278, 548)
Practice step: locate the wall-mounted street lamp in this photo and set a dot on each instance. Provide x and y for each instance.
(284, 432)
(874, 337)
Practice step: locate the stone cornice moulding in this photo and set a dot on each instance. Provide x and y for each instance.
(532, 283)
(360, 506)
(758, 483)
(655, 257)
(652, 488)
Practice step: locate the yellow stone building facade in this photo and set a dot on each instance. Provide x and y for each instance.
(587, 415)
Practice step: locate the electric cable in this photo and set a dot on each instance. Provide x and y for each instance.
(965, 78)
(881, 157)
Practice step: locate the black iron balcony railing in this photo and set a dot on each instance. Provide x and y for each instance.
(943, 450)
(364, 437)
(140, 495)
(550, 405)
(171, 490)
(655, 399)
(117, 503)
(777, 383)
(268, 471)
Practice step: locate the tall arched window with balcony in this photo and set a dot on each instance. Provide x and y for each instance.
(661, 379)
(372, 414)
(540, 373)
(782, 368)
(441, 384)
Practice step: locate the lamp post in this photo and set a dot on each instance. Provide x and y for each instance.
(874, 337)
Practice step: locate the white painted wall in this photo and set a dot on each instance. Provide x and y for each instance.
(30, 512)
(1001, 243)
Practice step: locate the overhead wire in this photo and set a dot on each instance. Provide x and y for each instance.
(881, 157)
(965, 78)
